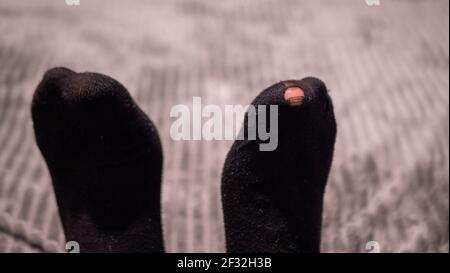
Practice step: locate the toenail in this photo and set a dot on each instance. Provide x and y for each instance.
(294, 96)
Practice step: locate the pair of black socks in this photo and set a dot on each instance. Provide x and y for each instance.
(105, 160)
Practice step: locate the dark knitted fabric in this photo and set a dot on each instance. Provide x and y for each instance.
(105, 159)
(272, 201)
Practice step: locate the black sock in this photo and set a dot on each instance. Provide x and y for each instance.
(105, 159)
(272, 201)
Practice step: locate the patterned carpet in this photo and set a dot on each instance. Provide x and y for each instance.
(387, 68)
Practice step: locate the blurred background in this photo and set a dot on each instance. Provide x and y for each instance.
(387, 67)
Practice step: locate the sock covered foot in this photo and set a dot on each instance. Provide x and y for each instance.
(272, 200)
(105, 160)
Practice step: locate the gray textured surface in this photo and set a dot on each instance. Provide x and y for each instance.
(387, 67)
